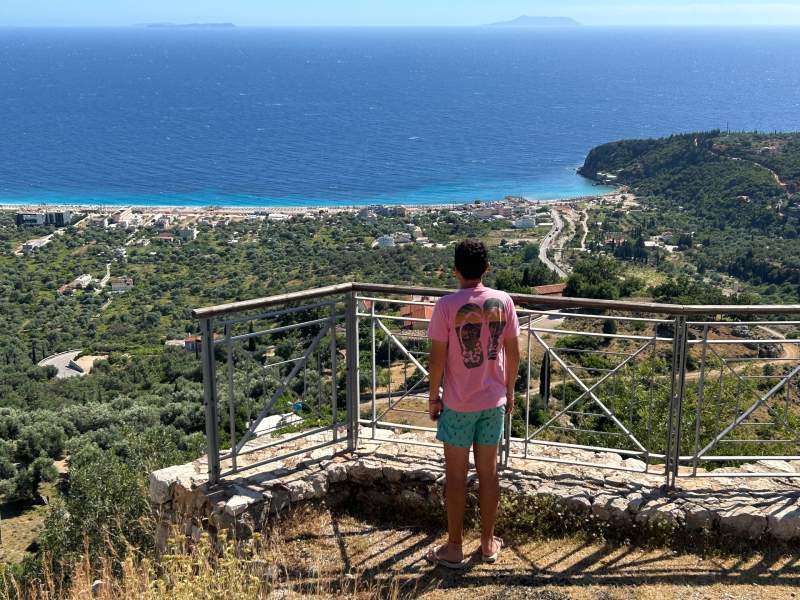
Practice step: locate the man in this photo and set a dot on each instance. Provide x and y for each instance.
(475, 356)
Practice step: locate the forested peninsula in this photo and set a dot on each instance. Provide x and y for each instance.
(736, 194)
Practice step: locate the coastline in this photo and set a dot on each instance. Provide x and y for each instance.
(411, 203)
(189, 210)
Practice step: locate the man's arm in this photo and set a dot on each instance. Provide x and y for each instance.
(511, 346)
(436, 374)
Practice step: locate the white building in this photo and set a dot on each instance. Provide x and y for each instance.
(83, 281)
(526, 222)
(187, 234)
(163, 222)
(368, 215)
(385, 241)
(100, 221)
(121, 284)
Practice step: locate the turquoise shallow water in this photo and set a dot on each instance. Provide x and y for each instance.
(568, 185)
(295, 117)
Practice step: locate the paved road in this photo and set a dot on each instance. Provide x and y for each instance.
(548, 241)
(61, 362)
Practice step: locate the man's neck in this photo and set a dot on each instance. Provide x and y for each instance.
(473, 283)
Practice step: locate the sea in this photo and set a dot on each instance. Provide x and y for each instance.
(337, 117)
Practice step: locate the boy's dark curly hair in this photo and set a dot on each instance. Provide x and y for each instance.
(472, 258)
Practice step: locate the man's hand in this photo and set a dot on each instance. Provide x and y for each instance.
(509, 402)
(435, 408)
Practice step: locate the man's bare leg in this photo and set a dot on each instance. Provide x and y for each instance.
(456, 466)
(488, 495)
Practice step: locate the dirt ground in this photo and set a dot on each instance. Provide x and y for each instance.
(20, 525)
(87, 362)
(323, 545)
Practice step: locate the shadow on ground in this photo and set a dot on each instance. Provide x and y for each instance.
(385, 559)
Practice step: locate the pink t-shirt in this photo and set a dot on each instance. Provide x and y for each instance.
(474, 322)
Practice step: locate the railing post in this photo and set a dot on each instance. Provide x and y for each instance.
(505, 443)
(677, 392)
(353, 375)
(210, 399)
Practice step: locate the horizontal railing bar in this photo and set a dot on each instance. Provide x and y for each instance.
(565, 302)
(739, 323)
(236, 307)
(569, 315)
(247, 336)
(744, 341)
(437, 445)
(576, 463)
(576, 430)
(746, 458)
(397, 425)
(584, 414)
(756, 358)
(755, 442)
(278, 313)
(407, 410)
(640, 338)
(391, 317)
(396, 301)
(590, 369)
(588, 350)
(405, 393)
(739, 474)
(524, 311)
(584, 447)
(520, 299)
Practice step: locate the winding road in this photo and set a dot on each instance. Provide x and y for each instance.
(62, 362)
(547, 242)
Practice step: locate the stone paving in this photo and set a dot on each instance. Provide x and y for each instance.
(746, 508)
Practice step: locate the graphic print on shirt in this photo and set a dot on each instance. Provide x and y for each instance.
(495, 312)
(469, 322)
(469, 326)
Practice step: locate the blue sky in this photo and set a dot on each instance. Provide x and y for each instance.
(397, 12)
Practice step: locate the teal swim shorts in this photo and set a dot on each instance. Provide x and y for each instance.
(462, 429)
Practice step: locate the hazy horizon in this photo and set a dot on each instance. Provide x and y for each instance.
(397, 13)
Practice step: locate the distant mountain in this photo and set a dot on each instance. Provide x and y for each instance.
(527, 21)
(189, 25)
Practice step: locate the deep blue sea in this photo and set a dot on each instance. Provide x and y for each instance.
(345, 116)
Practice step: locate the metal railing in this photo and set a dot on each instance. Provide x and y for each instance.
(680, 391)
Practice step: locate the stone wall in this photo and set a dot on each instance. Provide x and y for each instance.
(392, 470)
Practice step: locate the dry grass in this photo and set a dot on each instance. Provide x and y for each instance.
(21, 525)
(319, 553)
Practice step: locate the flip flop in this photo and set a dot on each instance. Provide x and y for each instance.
(492, 558)
(432, 557)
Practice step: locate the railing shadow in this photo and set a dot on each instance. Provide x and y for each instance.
(389, 556)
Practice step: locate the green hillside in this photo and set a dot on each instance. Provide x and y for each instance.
(737, 195)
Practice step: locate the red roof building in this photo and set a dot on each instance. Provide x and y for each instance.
(417, 311)
(556, 289)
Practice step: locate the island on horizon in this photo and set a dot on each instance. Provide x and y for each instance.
(189, 25)
(529, 21)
